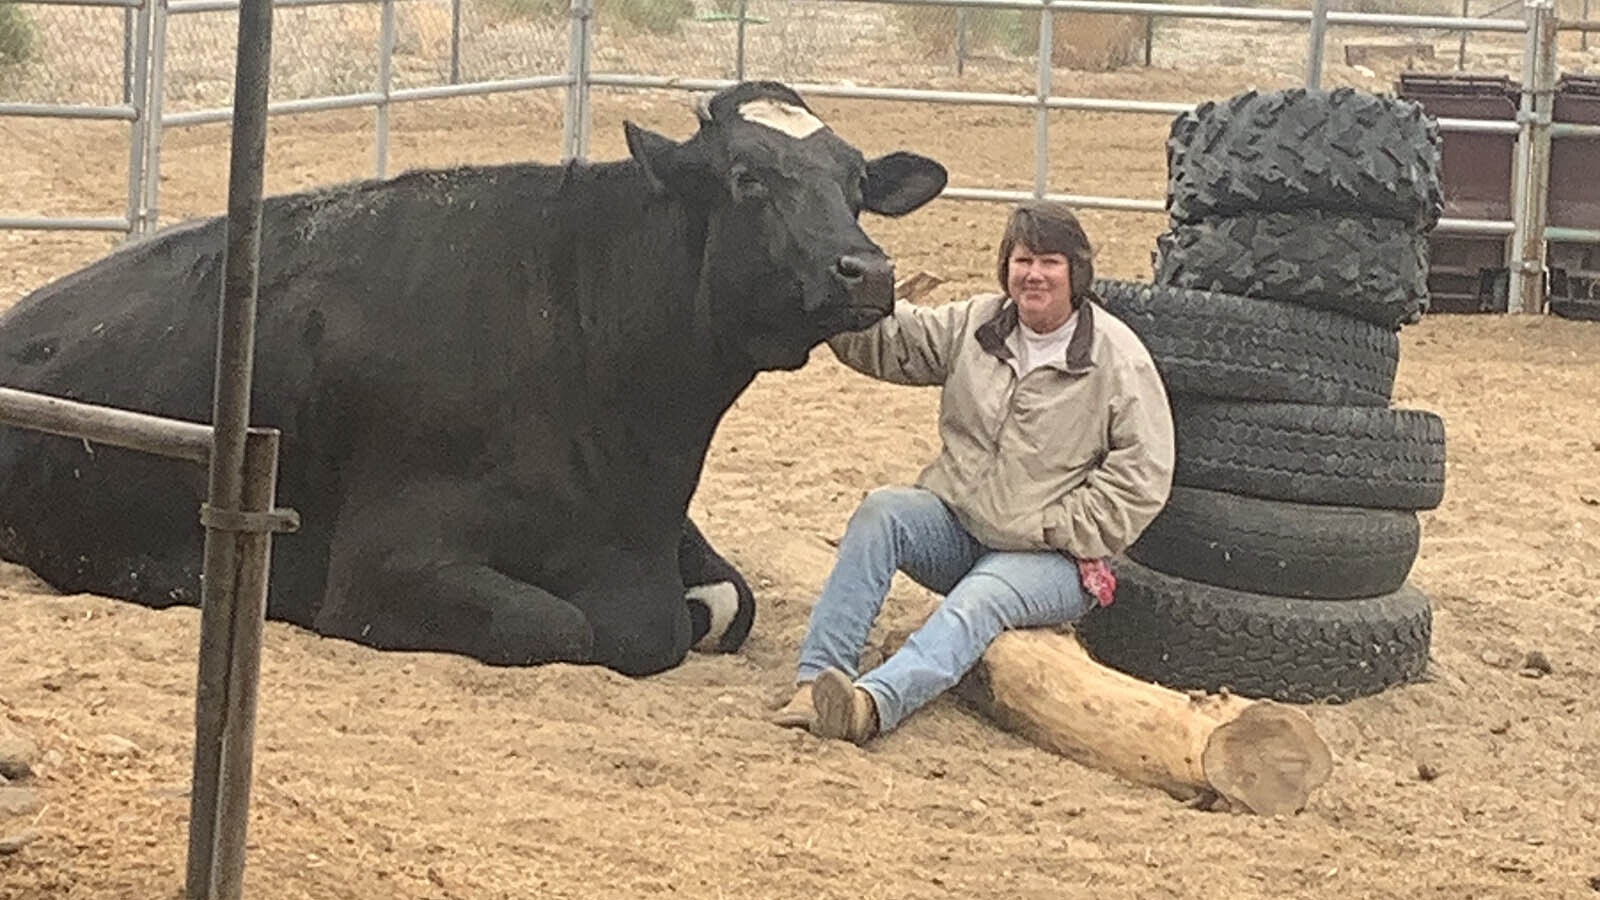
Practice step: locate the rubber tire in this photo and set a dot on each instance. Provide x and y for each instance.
(1228, 347)
(1342, 150)
(1192, 636)
(1333, 455)
(1283, 549)
(1375, 270)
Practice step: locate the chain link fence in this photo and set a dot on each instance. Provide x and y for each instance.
(51, 53)
(64, 55)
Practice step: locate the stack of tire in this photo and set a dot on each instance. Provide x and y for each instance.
(1297, 248)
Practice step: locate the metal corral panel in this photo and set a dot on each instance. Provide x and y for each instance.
(1575, 200)
(1467, 272)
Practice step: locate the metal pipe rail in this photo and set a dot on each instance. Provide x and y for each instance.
(64, 223)
(172, 438)
(370, 98)
(1193, 11)
(48, 111)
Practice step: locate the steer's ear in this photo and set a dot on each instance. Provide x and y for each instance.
(900, 182)
(657, 153)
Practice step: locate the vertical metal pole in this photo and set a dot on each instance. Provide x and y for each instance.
(260, 479)
(230, 417)
(150, 216)
(1527, 269)
(1149, 39)
(738, 58)
(455, 41)
(1532, 175)
(575, 125)
(129, 15)
(380, 148)
(1319, 42)
(961, 40)
(138, 97)
(1041, 113)
(1461, 51)
(1583, 36)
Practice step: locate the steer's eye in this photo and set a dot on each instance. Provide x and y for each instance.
(746, 186)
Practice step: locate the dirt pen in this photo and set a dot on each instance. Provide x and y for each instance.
(426, 776)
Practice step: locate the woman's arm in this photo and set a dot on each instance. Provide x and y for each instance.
(1127, 490)
(914, 345)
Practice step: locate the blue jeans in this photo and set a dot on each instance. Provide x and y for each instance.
(986, 592)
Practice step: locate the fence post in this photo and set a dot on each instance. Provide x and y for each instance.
(1461, 51)
(150, 211)
(1319, 42)
(137, 89)
(961, 40)
(1041, 112)
(380, 144)
(1525, 293)
(575, 123)
(455, 41)
(129, 23)
(225, 709)
(738, 58)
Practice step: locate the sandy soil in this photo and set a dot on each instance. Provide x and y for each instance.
(425, 776)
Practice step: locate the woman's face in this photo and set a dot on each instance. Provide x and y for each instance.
(1041, 286)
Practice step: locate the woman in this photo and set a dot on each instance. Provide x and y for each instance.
(1057, 452)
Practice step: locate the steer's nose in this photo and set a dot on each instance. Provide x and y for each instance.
(870, 281)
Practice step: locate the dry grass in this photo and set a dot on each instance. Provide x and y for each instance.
(1097, 43)
(1085, 41)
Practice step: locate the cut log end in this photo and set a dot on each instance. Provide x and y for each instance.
(1268, 759)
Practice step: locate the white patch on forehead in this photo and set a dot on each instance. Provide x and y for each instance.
(785, 117)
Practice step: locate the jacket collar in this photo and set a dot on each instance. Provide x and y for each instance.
(992, 335)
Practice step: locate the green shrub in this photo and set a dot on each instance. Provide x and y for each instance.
(654, 16)
(934, 28)
(16, 35)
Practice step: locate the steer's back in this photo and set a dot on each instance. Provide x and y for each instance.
(391, 317)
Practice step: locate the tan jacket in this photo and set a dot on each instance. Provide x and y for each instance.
(1076, 456)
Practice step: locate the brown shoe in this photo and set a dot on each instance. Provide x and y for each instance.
(799, 712)
(844, 711)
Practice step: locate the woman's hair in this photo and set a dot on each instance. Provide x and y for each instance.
(1048, 226)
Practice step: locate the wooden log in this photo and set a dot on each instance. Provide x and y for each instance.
(1260, 756)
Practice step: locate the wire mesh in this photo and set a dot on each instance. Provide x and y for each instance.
(65, 55)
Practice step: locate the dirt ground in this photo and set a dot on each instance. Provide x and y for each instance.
(427, 776)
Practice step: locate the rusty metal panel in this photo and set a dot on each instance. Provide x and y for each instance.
(1574, 189)
(1467, 272)
(1476, 167)
(1575, 200)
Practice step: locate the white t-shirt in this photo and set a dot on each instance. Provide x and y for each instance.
(1033, 349)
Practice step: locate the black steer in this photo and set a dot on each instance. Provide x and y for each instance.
(496, 386)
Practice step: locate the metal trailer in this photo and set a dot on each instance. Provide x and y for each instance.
(1574, 265)
(1469, 272)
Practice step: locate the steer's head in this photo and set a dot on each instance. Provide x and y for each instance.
(786, 262)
